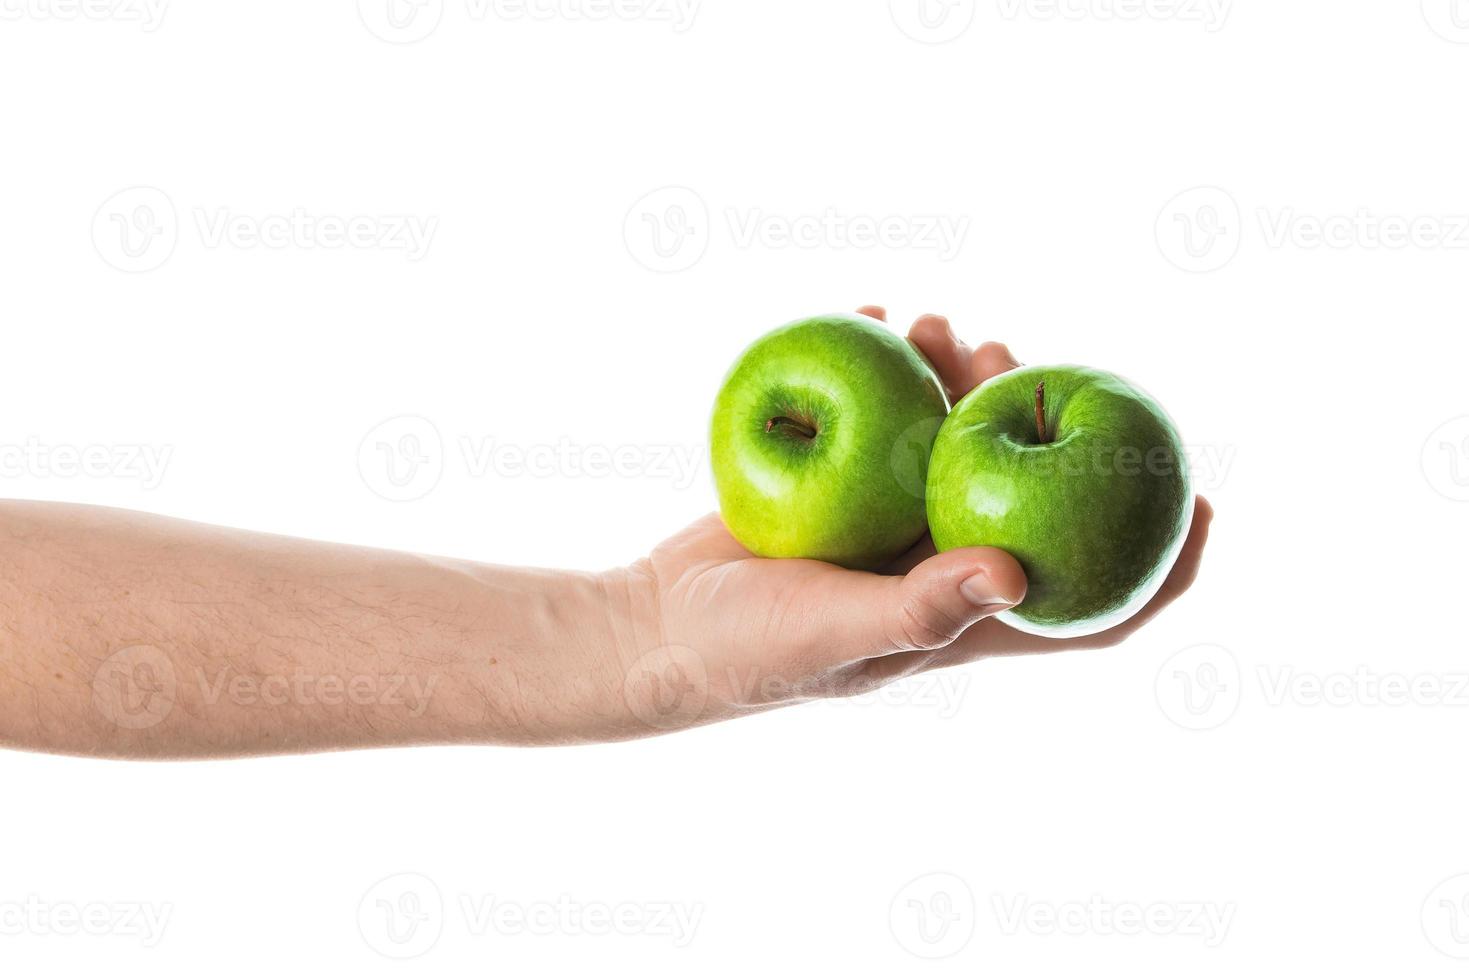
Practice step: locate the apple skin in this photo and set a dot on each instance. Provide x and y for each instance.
(820, 441)
(1096, 515)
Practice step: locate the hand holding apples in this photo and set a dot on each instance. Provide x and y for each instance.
(821, 444)
(757, 632)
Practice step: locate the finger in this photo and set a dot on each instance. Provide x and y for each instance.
(990, 360)
(950, 357)
(927, 609)
(876, 312)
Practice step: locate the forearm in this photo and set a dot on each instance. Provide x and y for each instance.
(127, 634)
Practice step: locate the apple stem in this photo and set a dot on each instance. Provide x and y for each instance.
(1040, 411)
(805, 431)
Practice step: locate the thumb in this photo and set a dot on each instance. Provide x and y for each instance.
(935, 602)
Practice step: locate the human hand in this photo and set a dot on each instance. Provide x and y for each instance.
(745, 633)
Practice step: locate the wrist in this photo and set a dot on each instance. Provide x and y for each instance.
(579, 636)
(633, 639)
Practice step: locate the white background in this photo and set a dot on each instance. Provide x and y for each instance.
(1199, 770)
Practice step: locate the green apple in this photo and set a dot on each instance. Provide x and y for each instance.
(1078, 474)
(820, 442)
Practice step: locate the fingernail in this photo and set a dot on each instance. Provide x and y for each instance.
(980, 591)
